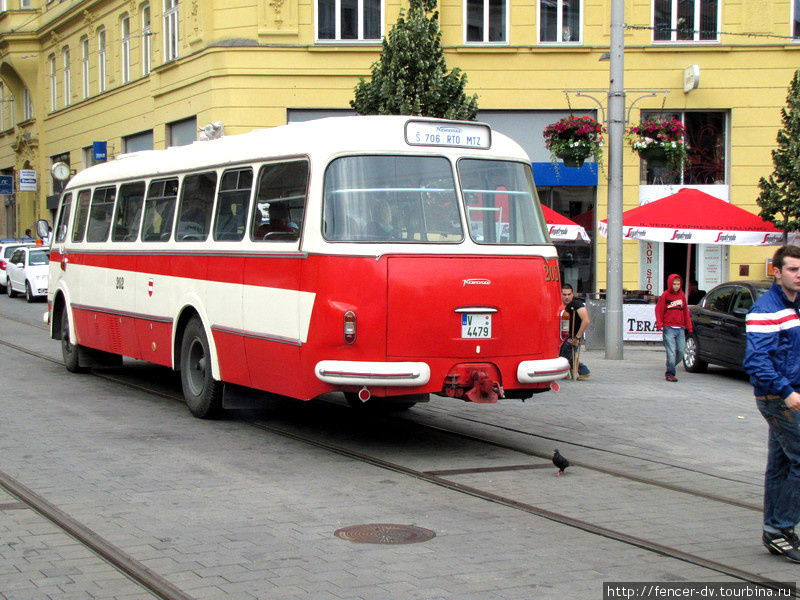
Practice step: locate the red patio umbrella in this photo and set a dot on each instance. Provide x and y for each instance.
(690, 216)
(694, 217)
(561, 228)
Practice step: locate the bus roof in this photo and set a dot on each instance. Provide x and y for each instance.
(323, 137)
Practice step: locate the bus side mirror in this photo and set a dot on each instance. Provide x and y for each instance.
(42, 228)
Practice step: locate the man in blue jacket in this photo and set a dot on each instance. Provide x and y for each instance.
(772, 360)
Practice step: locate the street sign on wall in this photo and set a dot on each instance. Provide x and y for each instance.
(6, 184)
(27, 180)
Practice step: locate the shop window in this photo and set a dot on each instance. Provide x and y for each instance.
(486, 21)
(706, 142)
(576, 258)
(181, 133)
(685, 20)
(559, 21)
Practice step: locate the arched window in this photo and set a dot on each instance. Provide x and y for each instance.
(170, 30)
(125, 35)
(145, 39)
(67, 76)
(101, 59)
(51, 65)
(85, 66)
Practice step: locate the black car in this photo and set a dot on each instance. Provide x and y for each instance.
(718, 322)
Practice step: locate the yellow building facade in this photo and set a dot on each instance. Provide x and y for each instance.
(139, 75)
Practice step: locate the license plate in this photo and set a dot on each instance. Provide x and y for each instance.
(476, 326)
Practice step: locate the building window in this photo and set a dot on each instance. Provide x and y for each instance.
(101, 60)
(23, 4)
(27, 104)
(560, 21)
(138, 141)
(796, 19)
(170, 30)
(180, 133)
(67, 76)
(125, 33)
(685, 20)
(349, 20)
(2, 107)
(486, 20)
(145, 39)
(706, 142)
(85, 66)
(51, 63)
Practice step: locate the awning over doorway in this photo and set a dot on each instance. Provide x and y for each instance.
(562, 229)
(694, 217)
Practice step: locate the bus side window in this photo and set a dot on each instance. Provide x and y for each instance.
(81, 215)
(159, 210)
(280, 201)
(129, 212)
(197, 202)
(100, 214)
(234, 196)
(63, 218)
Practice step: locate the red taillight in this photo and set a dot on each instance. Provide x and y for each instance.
(564, 325)
(2, 265)
(349, 327)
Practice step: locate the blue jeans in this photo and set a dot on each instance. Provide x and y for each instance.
(675, 343)
(782, 476)
(567, 351)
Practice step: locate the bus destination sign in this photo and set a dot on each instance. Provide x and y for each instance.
(457, 135)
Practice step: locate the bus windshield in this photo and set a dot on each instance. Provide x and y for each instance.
(393, 199)
(501, 202)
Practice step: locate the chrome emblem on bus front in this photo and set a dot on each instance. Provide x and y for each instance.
(477, 282)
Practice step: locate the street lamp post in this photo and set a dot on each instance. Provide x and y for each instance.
(616, 132)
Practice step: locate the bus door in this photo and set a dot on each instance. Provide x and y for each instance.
(155, 276)
(225, 275)
(276, 312)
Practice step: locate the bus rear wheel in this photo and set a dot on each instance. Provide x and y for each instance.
(202, 392)
(69, 352)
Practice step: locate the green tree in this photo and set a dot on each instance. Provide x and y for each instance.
(410, 77)
(780, 193)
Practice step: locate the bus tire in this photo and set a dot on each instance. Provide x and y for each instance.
(70, 352)
(202, 392)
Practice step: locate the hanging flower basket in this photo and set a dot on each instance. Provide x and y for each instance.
(661, 143)
(574, 139)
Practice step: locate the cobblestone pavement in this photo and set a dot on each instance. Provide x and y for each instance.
(225, 510)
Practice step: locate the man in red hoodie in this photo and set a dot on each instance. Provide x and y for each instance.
(672, 316)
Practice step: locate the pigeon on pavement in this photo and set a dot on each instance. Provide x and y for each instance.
(560, 462)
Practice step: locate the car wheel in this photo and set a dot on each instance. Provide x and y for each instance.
(29, 297)
(202, 392)
(69, 352)
(691, 360)
(10, 290)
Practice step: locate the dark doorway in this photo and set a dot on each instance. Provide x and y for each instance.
(675, 262)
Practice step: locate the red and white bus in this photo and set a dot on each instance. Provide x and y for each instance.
(385, 257)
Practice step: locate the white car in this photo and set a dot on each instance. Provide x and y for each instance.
(27, 272)
(7, 248)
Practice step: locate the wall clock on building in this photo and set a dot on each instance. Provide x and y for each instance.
(60, 171)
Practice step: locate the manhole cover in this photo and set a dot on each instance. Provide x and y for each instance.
(384, 533)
